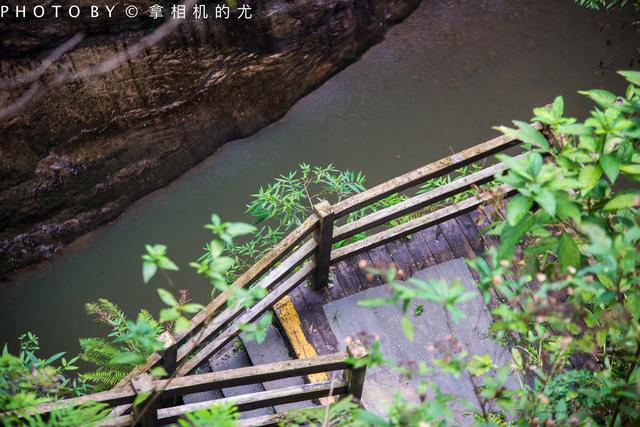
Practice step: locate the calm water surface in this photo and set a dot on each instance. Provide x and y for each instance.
(439, 82)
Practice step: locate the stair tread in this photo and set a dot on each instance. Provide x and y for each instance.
(233, 356)
(204, 395)
(274, 349)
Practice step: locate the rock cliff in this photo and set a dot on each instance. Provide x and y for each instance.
(80, 155)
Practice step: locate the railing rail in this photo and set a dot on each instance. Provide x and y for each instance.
(350, 383)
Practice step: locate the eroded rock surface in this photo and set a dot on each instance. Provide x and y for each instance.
(80, 155)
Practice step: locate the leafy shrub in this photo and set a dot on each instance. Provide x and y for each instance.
(564, 280)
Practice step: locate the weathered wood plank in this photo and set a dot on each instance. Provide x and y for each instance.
(246, 402)
(457, 242)
(347, 277)
(381, 258)
(306, 315)
(402, 258)
(323, 237)
(267, 420)
(204, 368)
(470, 231)
(267, 282)
(256, 270)
(414, 225)
(281, 396)
(418, 202)
(291, 324)
(214, 380)
(420, 175)
(313, 309)
(437, 244)
(360, 262)
(422, 256)
(249, 316)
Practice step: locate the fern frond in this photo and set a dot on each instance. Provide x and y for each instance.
(105, 311)
(153, 322)
(97, 351)
(107, 377)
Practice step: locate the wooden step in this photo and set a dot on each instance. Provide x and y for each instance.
(232, 356)
(274, 349)
(432, 329)
(205, 395)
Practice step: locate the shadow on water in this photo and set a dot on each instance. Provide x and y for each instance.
(438, 83)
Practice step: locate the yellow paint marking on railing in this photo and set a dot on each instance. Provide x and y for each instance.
(290, 321)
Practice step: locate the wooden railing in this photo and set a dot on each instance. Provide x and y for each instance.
(350, 383)
(309, 251)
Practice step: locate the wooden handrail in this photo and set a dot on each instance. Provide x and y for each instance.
(419, 223)
(351, 383)
(252, 314)
(425, 173)
(418, 202)
(185, 338)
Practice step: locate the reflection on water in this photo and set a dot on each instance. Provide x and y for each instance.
(438, 83)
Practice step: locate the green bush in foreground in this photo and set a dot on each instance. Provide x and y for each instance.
(564, 282)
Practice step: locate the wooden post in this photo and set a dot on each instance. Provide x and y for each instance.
(354, 377)
(323, 236)
(146, 413)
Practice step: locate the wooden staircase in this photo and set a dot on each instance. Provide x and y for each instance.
(241, 353)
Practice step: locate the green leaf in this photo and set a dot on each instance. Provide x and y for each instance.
(191, 308)
(149, 270)
(141, 397)
(169, 314)
(547, 201)
(127, 358)
(511, 235)
(215, 248)
(589, 176)
(159, 371)
(518, 207)
(374, 302)
(222, 264)
(622, 201)
(526, 133)
(407, 327)
(182, 323)
(166, 264)
(568, 253)
(631, 169)
(240, 229)
(565, 209)
(167, 298)
(610, 165)
(558, 106)
(575, 129)
(601, 97)
(632, 77)
(515, 166)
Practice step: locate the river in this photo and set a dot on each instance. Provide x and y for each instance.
(439, 82)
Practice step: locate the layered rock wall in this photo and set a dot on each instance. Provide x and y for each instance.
(80, 155)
